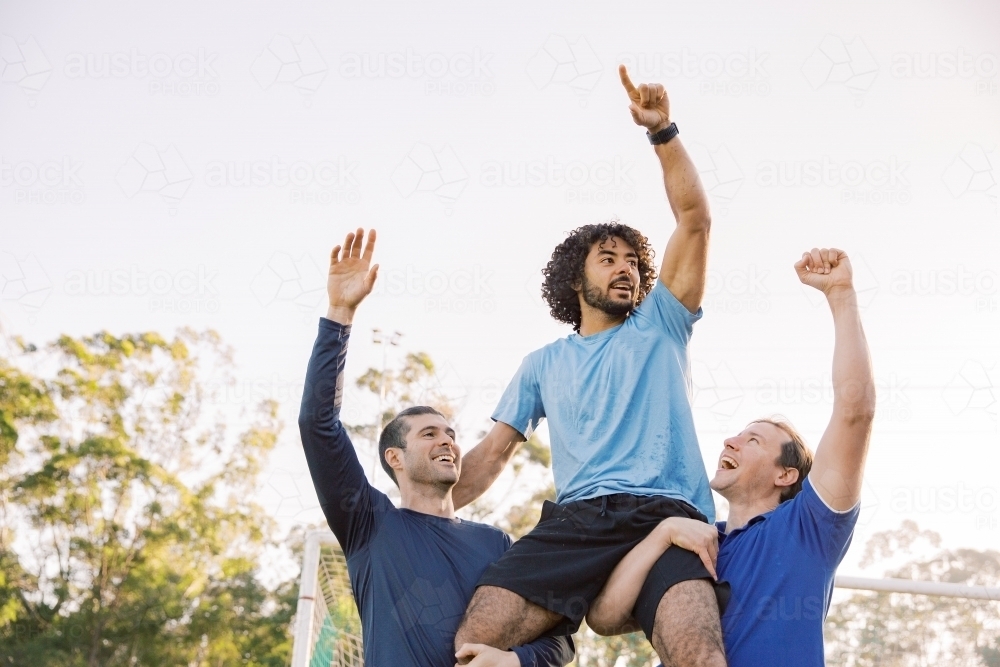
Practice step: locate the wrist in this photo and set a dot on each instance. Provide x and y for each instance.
(841, 294)
(665, 534)
(660, 126)
(340, 314)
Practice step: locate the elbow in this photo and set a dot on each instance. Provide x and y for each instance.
(858, 415)
(697, 219)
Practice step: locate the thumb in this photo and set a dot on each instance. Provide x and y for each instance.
(802, 266)
(469, 651)
(371, 277)
(707, 560)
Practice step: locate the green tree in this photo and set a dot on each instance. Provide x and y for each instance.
(899, 630)
(127, 536)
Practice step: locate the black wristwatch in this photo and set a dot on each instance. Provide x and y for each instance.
(664, 135)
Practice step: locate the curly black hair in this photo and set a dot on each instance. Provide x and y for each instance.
(568, 259)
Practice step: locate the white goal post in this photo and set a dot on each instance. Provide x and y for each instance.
(318, 642)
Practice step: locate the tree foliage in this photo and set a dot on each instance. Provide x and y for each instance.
(899, 630)
(127, 533)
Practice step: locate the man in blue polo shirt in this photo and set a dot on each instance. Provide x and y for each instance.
(791, 517)
(412, 568)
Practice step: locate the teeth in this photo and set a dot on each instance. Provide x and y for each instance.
(444, 457)
(729, 463)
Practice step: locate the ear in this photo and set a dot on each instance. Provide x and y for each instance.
(394, 457)
(787, 477)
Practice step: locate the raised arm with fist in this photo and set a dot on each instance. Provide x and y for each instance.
(351, 276)
(826, 269)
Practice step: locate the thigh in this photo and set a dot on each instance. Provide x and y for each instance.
(502, 619)
(687, 631)
(675, 566)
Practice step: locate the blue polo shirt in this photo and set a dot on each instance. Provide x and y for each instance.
(781, 567)
(618, 404)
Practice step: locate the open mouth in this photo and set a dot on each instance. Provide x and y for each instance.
(728, 463)
(627, 287)
(444, 458)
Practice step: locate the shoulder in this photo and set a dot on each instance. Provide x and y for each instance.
(488, 534)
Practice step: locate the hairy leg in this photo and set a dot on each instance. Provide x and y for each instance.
(686, 630)
(502, 619)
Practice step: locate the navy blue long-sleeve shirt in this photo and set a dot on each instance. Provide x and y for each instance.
(412, 574)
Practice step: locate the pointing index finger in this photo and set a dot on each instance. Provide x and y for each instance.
(626, 81)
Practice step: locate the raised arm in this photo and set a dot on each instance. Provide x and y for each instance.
(838, 467)
(685, 260)
(483, 463)
(611, 612)
(351, 505)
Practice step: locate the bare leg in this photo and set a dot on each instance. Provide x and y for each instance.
(502, 619)
(686, 630)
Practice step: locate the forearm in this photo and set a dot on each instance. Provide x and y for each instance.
(546, 652)
(853, 381)
(484, 463)
(611, 612)
(685, 193)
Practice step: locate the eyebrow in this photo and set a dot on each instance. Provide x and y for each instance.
(604, 251)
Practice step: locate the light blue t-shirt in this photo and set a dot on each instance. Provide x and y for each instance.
(619, 407)
(781, 567)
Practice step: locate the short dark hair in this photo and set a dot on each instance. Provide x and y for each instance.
(394, 434)
(794, 454)
(566, 267)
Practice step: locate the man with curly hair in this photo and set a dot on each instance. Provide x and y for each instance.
(624, 451)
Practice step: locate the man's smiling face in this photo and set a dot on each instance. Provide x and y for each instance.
(431, 455)
(748, 465)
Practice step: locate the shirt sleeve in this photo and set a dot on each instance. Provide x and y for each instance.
(354, 509)
(521, 406)
(546, 652)
(661, 310)
(825, 532)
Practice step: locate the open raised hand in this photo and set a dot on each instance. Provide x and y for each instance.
(351, 277)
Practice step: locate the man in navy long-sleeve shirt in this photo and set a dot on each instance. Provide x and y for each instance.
(414, 568)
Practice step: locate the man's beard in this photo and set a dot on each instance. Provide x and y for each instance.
(594, 298)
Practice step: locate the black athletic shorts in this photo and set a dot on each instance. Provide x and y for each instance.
(564, 562)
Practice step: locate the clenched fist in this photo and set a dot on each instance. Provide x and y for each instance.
(826, 269)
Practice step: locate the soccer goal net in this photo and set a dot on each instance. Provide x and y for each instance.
(328, 628)
(327, 625)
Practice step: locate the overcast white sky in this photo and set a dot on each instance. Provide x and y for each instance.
(191, 163)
